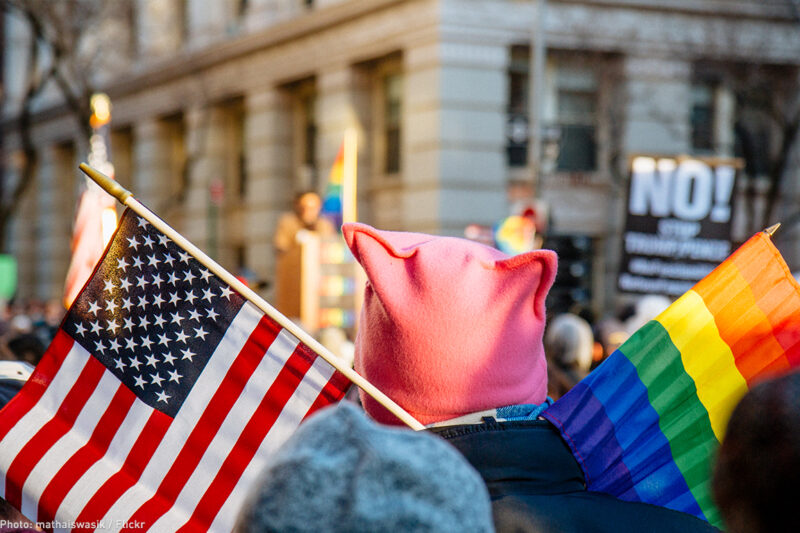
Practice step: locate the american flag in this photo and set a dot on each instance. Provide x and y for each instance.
(159, 399)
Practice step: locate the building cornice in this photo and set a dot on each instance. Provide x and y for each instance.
(756, 9)
(191, 61)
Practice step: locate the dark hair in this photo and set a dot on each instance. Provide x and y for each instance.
(300, 194)
(758, 464)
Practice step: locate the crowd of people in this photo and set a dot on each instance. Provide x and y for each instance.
(26, 329)
(576, 343)
(457, 333)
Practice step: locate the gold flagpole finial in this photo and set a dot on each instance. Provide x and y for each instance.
(110, 186)
(772, 229)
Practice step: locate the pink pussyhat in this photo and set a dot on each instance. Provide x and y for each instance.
(449, 326)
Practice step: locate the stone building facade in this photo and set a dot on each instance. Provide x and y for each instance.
(251, 98)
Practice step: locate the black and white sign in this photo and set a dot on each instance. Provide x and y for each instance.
(678, 225)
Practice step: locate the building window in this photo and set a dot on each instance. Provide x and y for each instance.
(569, 120)
(576, 97)
(386, 83)
(121, 155)
(241, 8)
(702, 117)
(309, 133)
(234, 123)
(303, 97)
(392, 109)
(517, 119)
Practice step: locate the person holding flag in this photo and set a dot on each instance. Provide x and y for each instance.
(452, 330)
(167, 386)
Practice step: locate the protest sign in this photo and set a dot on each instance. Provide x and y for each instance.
(678, 225)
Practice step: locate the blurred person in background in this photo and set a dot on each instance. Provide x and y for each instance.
(756, 481)
(46, 324)
(569, 347)
(292, 227)
(20, 342)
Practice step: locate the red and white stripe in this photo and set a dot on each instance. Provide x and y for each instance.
(73, 497)
(108, 459)
(237, 450)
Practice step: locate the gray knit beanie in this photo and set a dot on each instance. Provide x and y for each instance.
(343, 472)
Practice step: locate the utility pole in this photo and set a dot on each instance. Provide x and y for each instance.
(536, 96)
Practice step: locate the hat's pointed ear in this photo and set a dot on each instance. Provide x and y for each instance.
(538, 269)
(362, 238)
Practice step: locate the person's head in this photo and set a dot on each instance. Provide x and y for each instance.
(342, 472)
(449, 326)
(307, 206)
(569, 342)
(755, 480)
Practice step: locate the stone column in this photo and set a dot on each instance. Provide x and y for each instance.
(56, 203)
(454, 170)
(268, 149)
(208, 161)
(153, 164)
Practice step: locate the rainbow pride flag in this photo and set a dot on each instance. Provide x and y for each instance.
(332, 202)
(645, 425)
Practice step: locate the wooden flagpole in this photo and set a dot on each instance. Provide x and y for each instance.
(126, 198)
(349, 176)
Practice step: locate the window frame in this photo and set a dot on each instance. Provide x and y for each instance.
(384, 69)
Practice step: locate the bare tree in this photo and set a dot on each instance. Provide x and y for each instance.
(767, 126)
(68, 45)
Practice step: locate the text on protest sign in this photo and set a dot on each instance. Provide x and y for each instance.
(678, 225)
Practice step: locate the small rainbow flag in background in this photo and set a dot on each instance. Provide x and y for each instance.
(646, 424)
(339, 204)
(332, 203)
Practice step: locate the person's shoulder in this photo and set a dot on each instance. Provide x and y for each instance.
(287, 218)
(287, 223)
(325, 226)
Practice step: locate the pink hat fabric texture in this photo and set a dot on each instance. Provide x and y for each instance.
(449, 326)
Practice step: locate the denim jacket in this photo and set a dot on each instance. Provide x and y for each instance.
(536, 484)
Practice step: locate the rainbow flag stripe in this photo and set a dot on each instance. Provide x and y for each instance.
(645, 425)
(332, 202)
